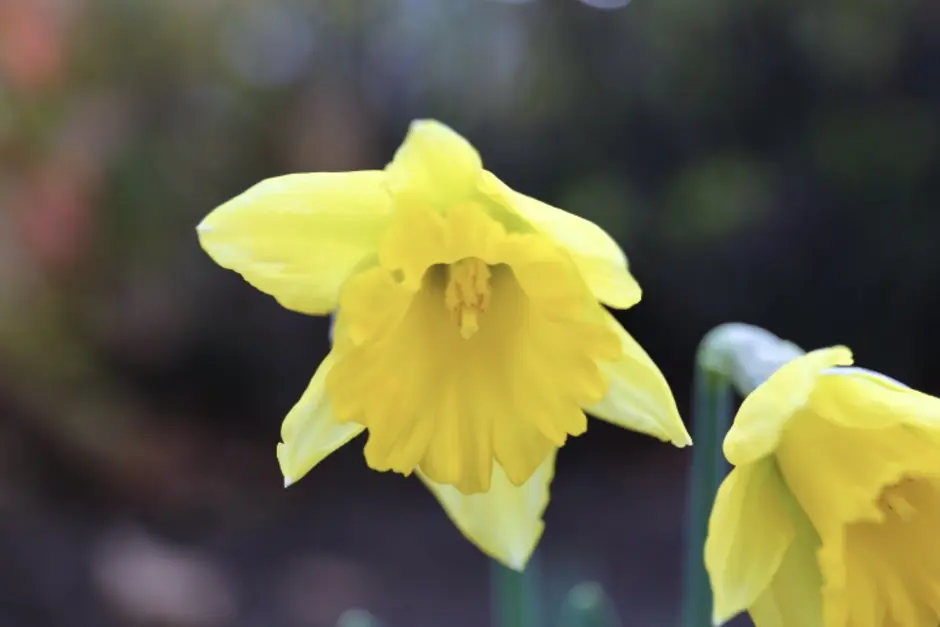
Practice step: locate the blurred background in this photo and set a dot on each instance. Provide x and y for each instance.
(773, 162)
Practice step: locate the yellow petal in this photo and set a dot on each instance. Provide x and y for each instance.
(749, 532)
(434, 167)
(766, 411)
(639, 397)
(310, 432)
(862, 399)
(298, 237)
(794, 596)
(596, 254)
(417, 239)
(505, 522)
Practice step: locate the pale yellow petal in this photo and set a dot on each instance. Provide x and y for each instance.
(794, 596)
(505, 522)
(749, 532)
(434, 168)
(765, 412)
(639, 397)
(862, 399)
(596, 254)
(298, 237)
(310, 432)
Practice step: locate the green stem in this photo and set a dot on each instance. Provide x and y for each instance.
(515, 599)
(711, 415)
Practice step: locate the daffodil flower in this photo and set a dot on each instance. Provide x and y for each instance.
(831, 513)
(469, 335)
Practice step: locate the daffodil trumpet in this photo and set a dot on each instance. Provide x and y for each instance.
(470, 334)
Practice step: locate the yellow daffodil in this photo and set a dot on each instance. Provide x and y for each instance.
(831, 513)
(469, 335)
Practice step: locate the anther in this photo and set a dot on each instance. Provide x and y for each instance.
(467, 295)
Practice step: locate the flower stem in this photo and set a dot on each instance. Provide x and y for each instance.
(711, 417)
(515, 598)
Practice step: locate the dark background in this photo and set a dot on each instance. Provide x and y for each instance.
(774, 162)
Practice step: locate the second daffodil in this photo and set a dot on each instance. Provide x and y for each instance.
(469, 335)
(831, 514)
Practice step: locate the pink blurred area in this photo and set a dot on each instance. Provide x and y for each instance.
(33, 43)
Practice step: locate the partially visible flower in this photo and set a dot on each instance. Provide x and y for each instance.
(469, 335)
(830, 516)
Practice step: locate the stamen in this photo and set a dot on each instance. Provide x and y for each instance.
(468, 293)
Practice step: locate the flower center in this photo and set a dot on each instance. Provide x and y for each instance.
(467, 347)
(467, 294)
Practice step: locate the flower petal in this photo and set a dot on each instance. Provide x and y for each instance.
(298, 237)
(862, 399)
(434, 167)
(749, 532)
(764, 413)
(596, 254)
(639, 397)
(794, 596)
(310, 432)
(505, 522)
